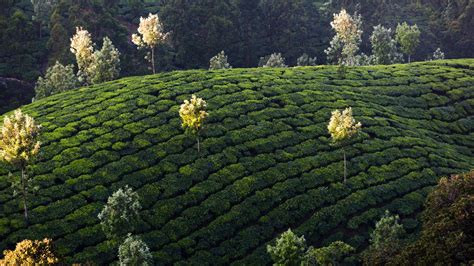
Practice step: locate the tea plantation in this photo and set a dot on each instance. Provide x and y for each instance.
(266, 160)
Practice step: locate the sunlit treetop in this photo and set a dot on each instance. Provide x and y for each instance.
(27, 252)
(150, 32)
(192, 113)
(18, 138)
(345, 26)
(81, 47)
(342, 125)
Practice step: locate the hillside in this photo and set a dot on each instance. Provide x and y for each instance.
(266, 160)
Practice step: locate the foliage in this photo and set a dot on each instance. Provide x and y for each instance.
(289, 249)
(408, 37)
(438, 54)
(275, 60)
(446, 236)
(133, 251)
(193, 113)
(29, 252)
(219, 61)
(384, 47)
(58, 79)
(342, 125)
(121, 213)
(267, 162)
(348, 32)
(150, 34)
(330, 255)
(43, 9)
(305, 60)
(106, 63)
(385, 240)
(334, 51)
(81, 47)
(18, 139)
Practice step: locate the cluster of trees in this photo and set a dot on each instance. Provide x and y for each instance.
(32, 32)
(94, 66)
(445, 238)
(385, 47)
(119, 219)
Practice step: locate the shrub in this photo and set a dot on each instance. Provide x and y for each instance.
(219, 61)
(134, 251)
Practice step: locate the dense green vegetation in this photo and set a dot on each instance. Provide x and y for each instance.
(266, 161)
(34, 34)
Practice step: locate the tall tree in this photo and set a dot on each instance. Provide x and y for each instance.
(200, 29)
(18, 146)
(385, 240)
(384, 47)
(342, 127)
(150, 34)
(106, 63)
(408, 37)
(448, 226)
(42, 9)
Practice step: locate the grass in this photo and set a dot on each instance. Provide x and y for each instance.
(266, 160)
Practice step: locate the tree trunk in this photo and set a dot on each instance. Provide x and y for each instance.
(345, 166)
(153, 60)
(409, 59)
(25, 192)
(199, 149)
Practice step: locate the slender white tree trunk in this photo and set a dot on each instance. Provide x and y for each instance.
(198, 144)
(25, 192)
(345, 166)
(153, 59)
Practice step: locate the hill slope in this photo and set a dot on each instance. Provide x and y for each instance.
(266, 162)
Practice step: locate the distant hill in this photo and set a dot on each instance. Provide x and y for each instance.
(266, 161)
